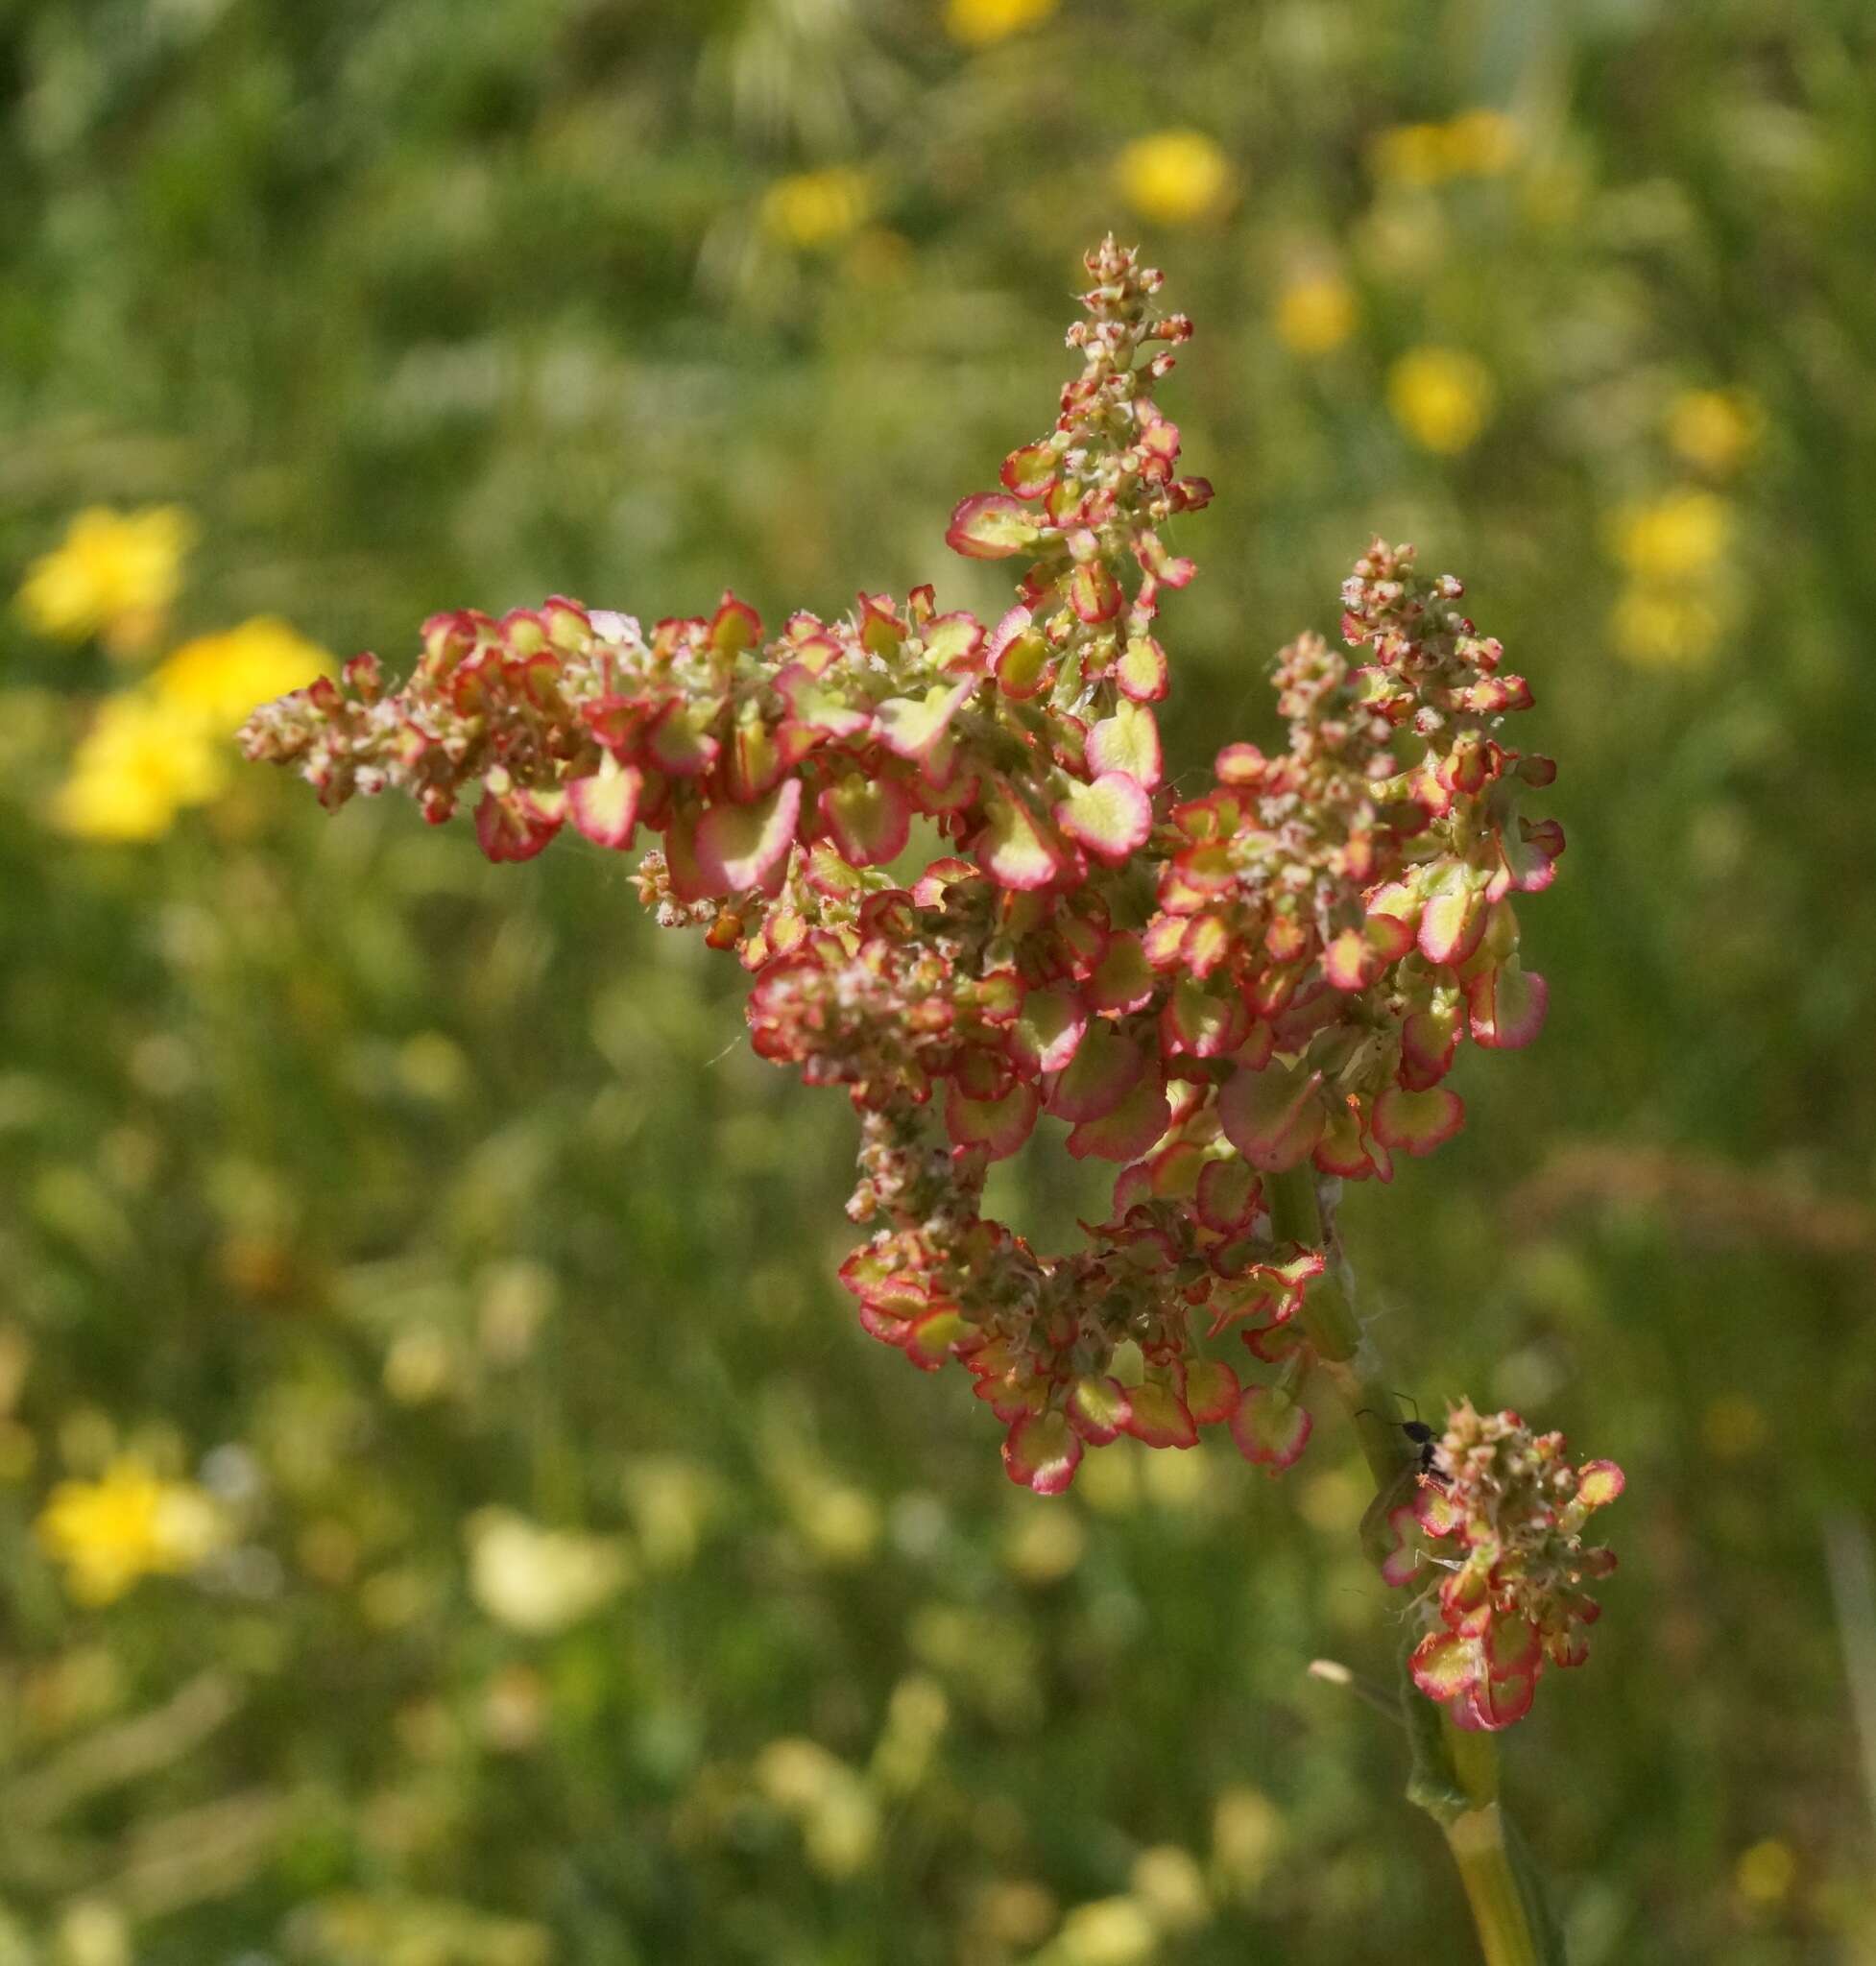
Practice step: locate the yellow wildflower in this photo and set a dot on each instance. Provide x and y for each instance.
(1177, 178)
(1665, 628)
(1441, 398)
(142, 762)
(1715, 430)
(1479, 143)
(113, 574)
(815, 209)
(1680, 537)
(1410, 154)
(1316, 314)
(977, 23)
(223, 676)
(125, 1525)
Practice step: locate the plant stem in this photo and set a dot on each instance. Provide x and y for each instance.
(1464, 1796)
(1499, 1909)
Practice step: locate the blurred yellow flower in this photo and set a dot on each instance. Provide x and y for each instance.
(1715, 430)
(1410, 154)
(977, 23)
(1478, 143)
(152, 751)
(1316, 314)
(113, 574)
(1680, 537)
(537, 1580)
(1247, 1835)
(1177, 178)
(223, 676)
(141, 761)
(815, 208)
(1111, 1931)
(127, 1524)
(1441, 398)
(839, 1525)
(1170, 1887)
(1665, 628)
(1766, 1873)
(93, 1931)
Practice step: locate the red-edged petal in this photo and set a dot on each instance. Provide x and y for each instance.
(1141, 670)
(955, 642)
(1227, 1196)
(999, 1126)
(513, 826)
(1444, 1666)
(604, 807)
(870, 819)
(1197, 1025)
(1107, 1066)
(1506, 1005)
(1122, 980)
(742, 847)
(1158, 1418)
(1111, 818)
(1401, 1562)
(1454, 918)
(1126, 1132)
(1269, 1427)
(927, 1340)
(1016, 848)
(1031, 470)
(992, 525)
(1274, 1117)
(1514, 1648)
(677, 742)
(912, 727)
(1049, 1030)
(1099, 1409)
(1042, 1451)
(1128, 741)
(1211, 1391)
(1417, 1122)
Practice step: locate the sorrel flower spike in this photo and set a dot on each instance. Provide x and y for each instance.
(1511, 1598)
(1208, 990)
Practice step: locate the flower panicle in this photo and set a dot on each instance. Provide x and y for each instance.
(1208, 990)
(1504, 1512)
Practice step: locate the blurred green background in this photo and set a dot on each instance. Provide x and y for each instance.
(447, 1511)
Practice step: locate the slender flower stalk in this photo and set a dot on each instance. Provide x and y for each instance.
(949, 858)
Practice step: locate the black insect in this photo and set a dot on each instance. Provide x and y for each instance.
(1425, 1442)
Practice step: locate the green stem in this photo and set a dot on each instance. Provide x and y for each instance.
(1499, 1909)
(1464, 1796)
